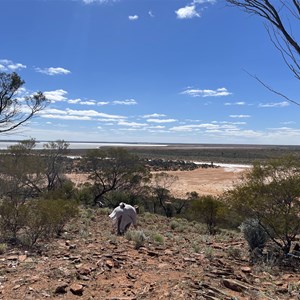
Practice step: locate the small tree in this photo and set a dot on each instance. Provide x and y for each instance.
(209, 210)
(21, 173)
(270, 194)
(15, 111)
(114, 169)
(162, 182)
(53, 155)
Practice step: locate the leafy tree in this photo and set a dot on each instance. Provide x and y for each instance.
(53, 155)
(282, 24)
(15, 111)
(270, 194)
(21, 173)
(209, 210)
(162, 182)
(114, 169)
(26, 173)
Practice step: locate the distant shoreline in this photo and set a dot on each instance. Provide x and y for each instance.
(93, 145)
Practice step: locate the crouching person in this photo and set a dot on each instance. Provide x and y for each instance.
(123, 216)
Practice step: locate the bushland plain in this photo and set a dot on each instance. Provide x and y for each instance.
(166, 258)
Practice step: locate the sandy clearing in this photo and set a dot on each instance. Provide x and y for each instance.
(203, 181)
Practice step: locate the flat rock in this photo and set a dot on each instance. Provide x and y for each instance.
(61, 288)
(235, 285)
(76, 289)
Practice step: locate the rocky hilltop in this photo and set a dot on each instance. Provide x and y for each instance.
(167, 259)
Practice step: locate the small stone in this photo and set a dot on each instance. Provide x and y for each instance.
(246, 269)
(162, 266)
(109, 263)
(76, 289)
(61, 288)
(12, 257)
(45, 294)
(235, 285)
(22, 258)
(84, 278)
(168, 252)
(16, 287)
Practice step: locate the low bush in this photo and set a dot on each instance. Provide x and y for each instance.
(174, 224)
(34, 219)
(158, 239)
(137, 236)
(254, 234)
(12, 217)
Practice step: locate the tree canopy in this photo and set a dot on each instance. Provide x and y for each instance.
(282, 23)
(15, 110)
(270, 193)
(114, 169)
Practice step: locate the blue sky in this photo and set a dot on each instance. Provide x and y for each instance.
(148, 71)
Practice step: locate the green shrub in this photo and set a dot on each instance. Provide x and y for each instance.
(174, 224)
(209, 210)
(34, 219)
(196, 247)
(12, 217)
(254, 234)
(137, 236)
(3, 248)
(103, 211)
(234, 252)
(46, 218)
(85, 195)
(269, 192)
(158, 239)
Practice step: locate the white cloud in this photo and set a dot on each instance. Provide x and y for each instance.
(206, 93)
(151, 14)
(155, 115)
(74, 101)
(131, 124)
(101, 103)
(133, 18)
(226, 122)
(107, 120)
(205, 127)
(125, 102)
(241, 103)
(187, 12)
(92, 113)
(157, 127)
(53, 71)
(89, 102)
(8, 65)
(193, 127)
(85, 115)
(67, 117)
(190, 11)
(276, 104)
(288, 122)
(161, 120)
(98, 1)
(57, 95)
(240, 116)
(203, 1)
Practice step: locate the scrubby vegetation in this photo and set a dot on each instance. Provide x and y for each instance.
(37, 201)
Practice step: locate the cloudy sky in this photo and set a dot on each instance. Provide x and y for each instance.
(148, 71)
